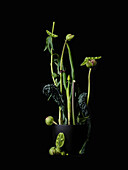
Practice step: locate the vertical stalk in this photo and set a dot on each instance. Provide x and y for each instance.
(89, 85)
(73, 91)
(71, 62)
(61, 66)
(52, 58)
(61, 80)
(68, 101)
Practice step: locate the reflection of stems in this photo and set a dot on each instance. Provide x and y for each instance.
(88, 85)
(52, 57)
(68, 101)
(73, 90)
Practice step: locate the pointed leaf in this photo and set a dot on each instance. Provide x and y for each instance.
(60, 140)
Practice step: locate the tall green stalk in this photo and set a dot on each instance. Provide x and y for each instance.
(89, 85)
(61, 67)
(73, 81)
(68, 101)
(61, 80)
(73, 93)
(52, 58)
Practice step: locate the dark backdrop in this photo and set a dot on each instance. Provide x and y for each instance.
(93, 30)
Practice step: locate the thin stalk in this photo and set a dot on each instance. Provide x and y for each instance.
(68, 101)
(60, 116)
(71, 62)
(61, 80)
(73, 91)
(88, 85)
(61, 67)
(52, 58)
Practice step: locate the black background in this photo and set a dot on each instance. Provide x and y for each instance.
(94, 30)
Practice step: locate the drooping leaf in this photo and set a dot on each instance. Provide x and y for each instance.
(49, 44)
(82, 150)
(60, 140)
(82, 103)
(51, 91)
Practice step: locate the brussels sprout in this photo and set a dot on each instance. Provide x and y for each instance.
(50, 120)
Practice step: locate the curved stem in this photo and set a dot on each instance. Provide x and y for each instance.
(88, 85)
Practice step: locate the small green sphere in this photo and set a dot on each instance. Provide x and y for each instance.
(63, 153)
(52, 151)
(49, 120)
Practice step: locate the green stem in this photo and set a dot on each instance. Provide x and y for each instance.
(88, 85)
(71, 62)
(52, 58)
(73, 91)
(61, 80)
(60, 116)
(68, 101)
(61, 66)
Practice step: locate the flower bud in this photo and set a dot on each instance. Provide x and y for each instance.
(52, 151)
(49, 120)
(91, 63)
(69, 37)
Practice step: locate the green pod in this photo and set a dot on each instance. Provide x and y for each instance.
(51, 34)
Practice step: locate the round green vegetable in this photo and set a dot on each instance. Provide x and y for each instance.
(49, 120)
(52, 151)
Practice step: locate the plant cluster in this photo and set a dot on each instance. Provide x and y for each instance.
(56, 150)
(73, 105)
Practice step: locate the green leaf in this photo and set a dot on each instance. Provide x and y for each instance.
(51, 34)
(49, 44)
(54, 75)
(60, 140)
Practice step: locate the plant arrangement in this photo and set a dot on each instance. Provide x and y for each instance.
(72, 103)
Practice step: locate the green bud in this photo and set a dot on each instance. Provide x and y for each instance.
(63, 153)
(91, 63)
(52, 151)
(49, 120)
(69, 37)
(68, 78)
